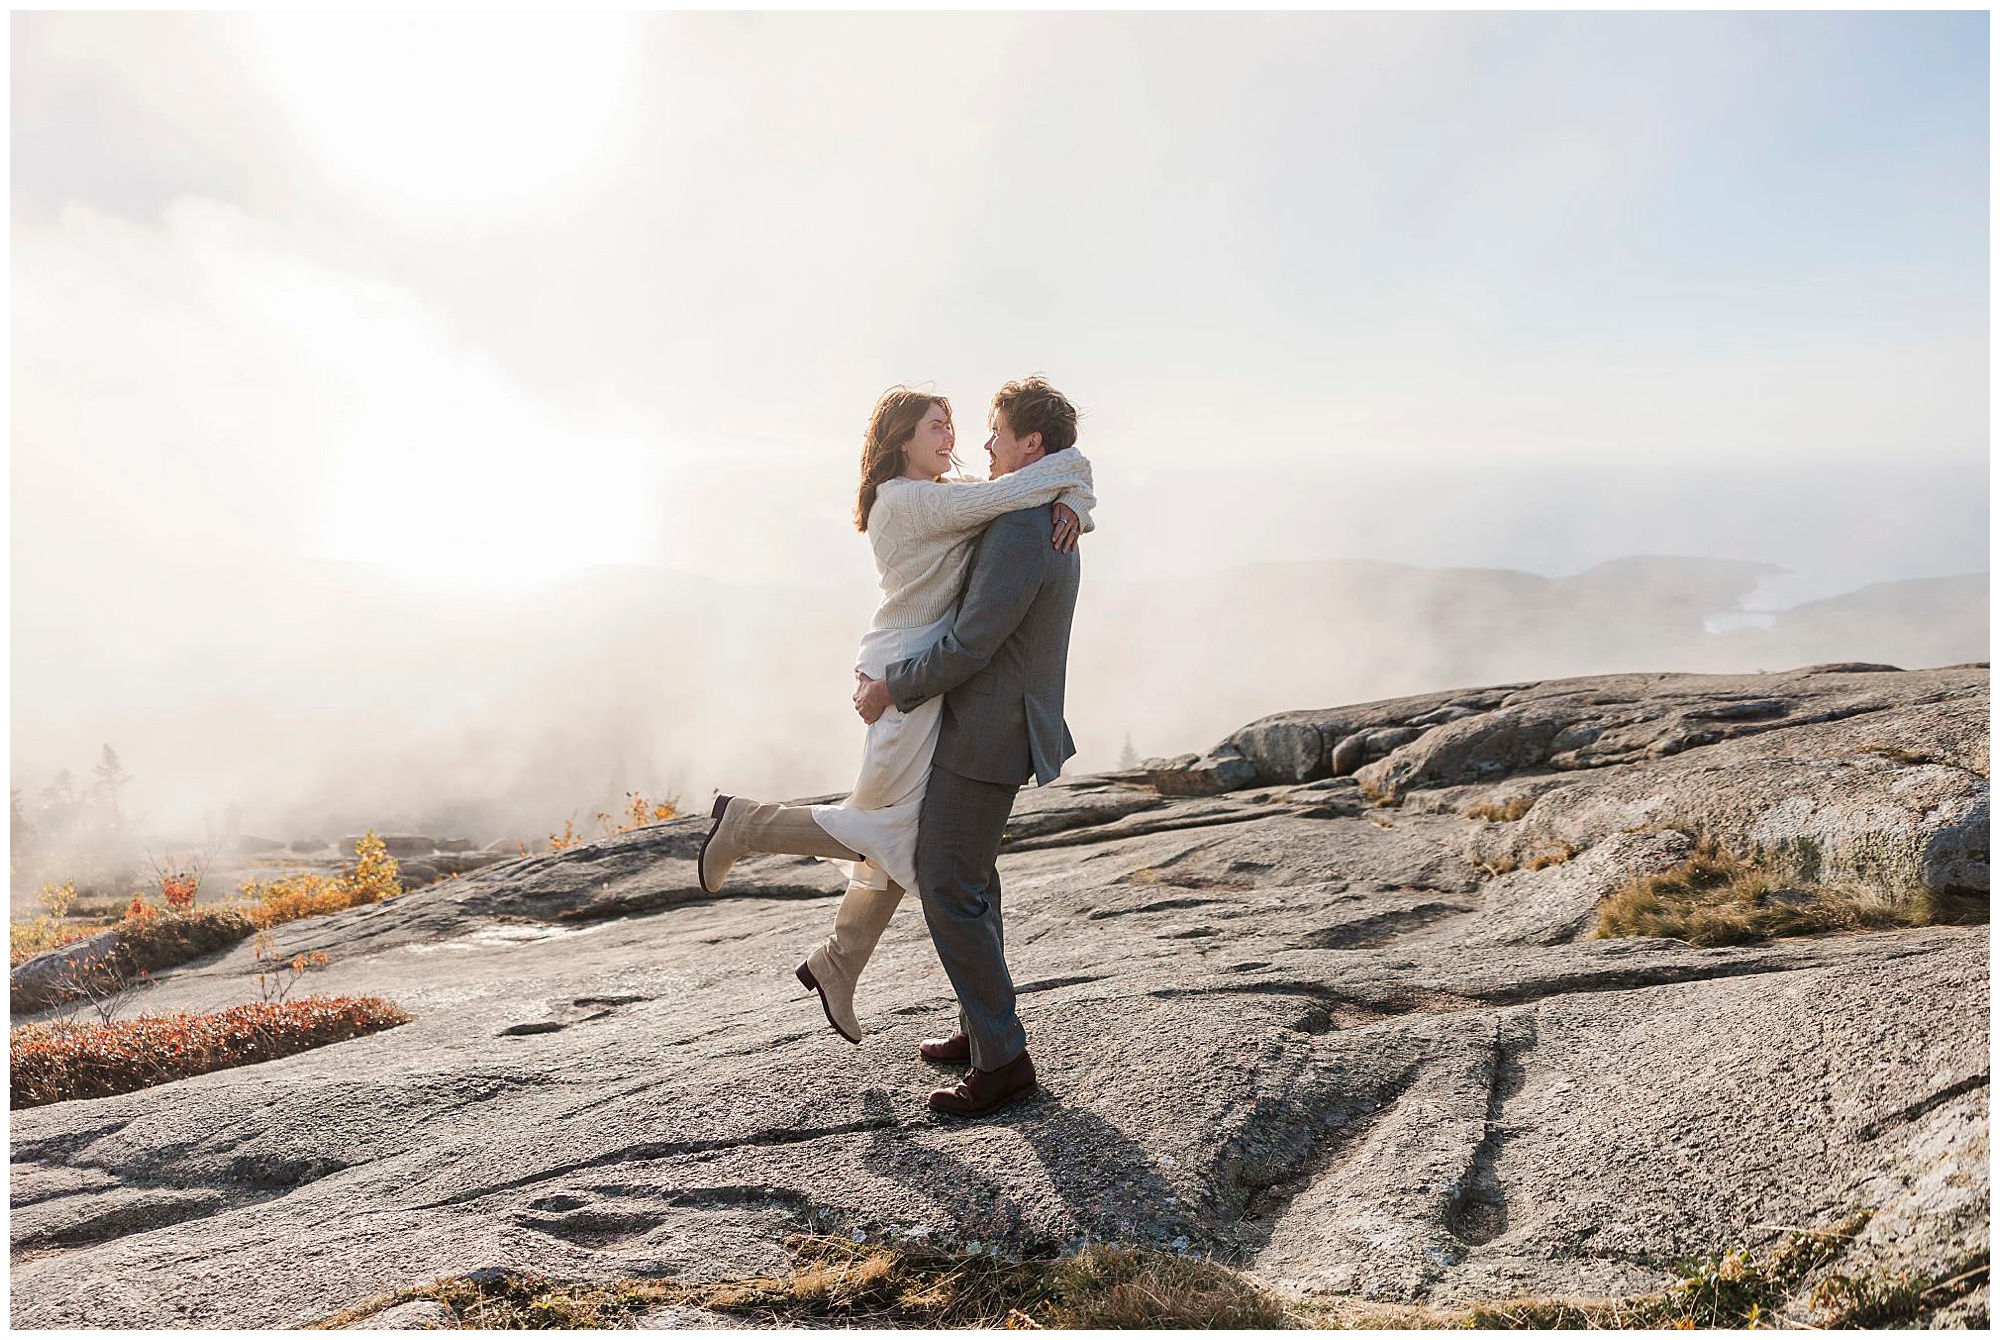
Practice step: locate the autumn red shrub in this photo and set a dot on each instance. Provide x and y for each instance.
(179, 891)
(53, 1062)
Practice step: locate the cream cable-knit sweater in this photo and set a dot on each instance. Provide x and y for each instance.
(923, 531)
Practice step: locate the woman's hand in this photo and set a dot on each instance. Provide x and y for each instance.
(1068, 527)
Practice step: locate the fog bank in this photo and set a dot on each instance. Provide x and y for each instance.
(320, 699)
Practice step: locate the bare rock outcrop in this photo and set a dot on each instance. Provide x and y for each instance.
(1327, 1024)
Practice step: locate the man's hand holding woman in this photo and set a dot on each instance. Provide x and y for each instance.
(871, 697)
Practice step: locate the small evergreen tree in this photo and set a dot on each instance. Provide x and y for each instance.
(111, 778)
(60, 806)
(1128, 757)
(20, 832)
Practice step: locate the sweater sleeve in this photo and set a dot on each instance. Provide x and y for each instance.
(1079, 499)
(941, 510)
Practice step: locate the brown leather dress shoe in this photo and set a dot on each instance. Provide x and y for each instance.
(954, 1050)
(982, 1091)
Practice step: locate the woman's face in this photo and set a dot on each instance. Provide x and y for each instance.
(928, 453)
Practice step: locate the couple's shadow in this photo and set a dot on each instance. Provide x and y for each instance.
(1106, 1181)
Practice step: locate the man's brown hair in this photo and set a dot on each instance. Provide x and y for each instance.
(1033, 406)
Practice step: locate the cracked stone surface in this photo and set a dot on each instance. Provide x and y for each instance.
(1349, 1047)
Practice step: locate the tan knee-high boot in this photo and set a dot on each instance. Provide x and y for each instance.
(834, 967)
(745, 826)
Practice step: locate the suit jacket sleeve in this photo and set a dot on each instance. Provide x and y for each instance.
(1007, 571)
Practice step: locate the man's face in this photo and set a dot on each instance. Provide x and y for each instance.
(1008, 452)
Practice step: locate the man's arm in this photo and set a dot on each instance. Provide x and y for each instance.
(1007, 570)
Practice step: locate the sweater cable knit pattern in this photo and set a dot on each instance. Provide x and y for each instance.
(923, 531)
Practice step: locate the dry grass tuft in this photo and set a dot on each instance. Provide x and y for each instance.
(844, 1283)
(1894, 752)
(1122, 1288)
(1736, 1290)
(1548, 856)
(55, 1062)
(1505, 812)
(1878, 1299)
(1507, 862)
(849, 1283)
(1380, 797)
(1717, 897)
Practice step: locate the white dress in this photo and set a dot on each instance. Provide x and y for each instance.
(922, 534)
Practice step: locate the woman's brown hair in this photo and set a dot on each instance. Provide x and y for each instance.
(890, 429)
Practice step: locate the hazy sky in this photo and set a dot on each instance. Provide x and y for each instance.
(486, 298)
(498, 294)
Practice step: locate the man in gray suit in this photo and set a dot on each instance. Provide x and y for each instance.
(1001, 671)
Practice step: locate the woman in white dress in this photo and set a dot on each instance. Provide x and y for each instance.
(922, 525)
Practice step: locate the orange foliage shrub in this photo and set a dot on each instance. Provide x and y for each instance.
(53, 1062)
(179, 891)
(50, 929)
(643, 811)
(20, 949)
(569, 837)
(639, 812)
(295, 896)
(308, 895)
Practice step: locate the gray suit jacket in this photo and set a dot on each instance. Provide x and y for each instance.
(1001, 667)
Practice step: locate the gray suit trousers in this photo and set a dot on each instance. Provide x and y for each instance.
(958, 879)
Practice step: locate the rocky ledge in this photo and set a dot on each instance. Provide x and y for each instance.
(1292, 1004)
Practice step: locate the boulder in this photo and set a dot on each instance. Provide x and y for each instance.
(1282, 750)
(1386, 740)
(42, 981)
(1600, 721)
(408, 844)
(1347, 755)
(1222, 769)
